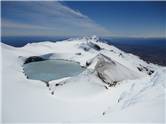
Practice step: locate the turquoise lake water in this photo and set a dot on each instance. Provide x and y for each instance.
(51, 69)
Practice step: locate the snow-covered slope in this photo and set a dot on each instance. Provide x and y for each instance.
(115, 86)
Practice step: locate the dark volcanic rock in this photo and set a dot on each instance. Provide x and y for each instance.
(78, 53)
(95, 46)
(33, 59)
(88, 63)
(145, 69)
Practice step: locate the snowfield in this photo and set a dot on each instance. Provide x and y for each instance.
(115, 86)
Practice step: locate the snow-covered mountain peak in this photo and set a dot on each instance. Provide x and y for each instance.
(114, 83)
(92, 38)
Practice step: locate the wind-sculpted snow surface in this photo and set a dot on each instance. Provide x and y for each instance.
(115, 86)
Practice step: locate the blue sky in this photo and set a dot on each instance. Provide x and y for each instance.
(50, 18)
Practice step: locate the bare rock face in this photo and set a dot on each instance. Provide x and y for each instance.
(102, 65)
(111, 72)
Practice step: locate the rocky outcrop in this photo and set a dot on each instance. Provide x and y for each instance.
(33, 59)
(145, 69)
(94, 46)
(90, 44)
(110, 71)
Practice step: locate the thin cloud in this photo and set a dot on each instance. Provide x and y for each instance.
(46, 18)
